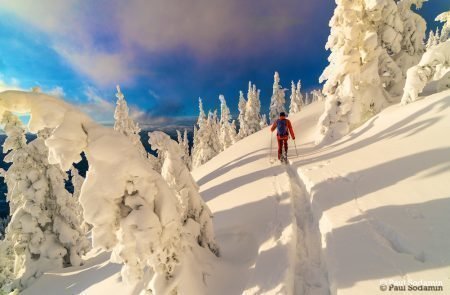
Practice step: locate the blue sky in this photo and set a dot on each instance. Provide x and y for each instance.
(164, 54)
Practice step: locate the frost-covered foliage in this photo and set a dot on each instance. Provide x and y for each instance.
(243, 128)
(6, 265)
(132, 209)
(353, 87)
(227, 134)
(206, 137)
(445, 32)
(183, 142)
(194, 212)
(45, 229)
(278, 100)
(125, 124)
(431, 41)
(296, 98)
(434, 66)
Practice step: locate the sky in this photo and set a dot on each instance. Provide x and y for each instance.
(165, 54)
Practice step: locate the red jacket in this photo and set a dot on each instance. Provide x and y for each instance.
(289, 126)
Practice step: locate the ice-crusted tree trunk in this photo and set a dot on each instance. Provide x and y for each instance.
(132, 209)
(252, 114)
(227, 129)
(434, 66)
(45, 229)
(278, 100)
(194, 213)
(125, 124)
(243, 129)
(296, 98)
(353, 88)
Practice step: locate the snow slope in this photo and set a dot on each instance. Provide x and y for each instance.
(373, 206)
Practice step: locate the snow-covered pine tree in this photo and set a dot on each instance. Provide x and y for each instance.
(243, 129)
(132, 209)
(193, 210)
(206, 139)
(252, 115)
(263, 123)
(278, 100)
(431, 40)
(45, 228)
(227, 131)
(125, 124)
(413, 35)
(296, 98)
(214, 124)
(353, 88)
(437, 37)
(183, 142)
(445, 32)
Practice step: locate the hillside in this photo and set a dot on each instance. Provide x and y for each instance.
(370, 207)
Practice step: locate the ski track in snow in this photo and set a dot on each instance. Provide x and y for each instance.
(310, 274)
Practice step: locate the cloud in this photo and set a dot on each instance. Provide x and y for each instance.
(57, 91)
(107, 41)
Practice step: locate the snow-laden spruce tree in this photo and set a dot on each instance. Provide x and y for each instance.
(125, 124)
(296, 98)
(183, 142)
(445, 32)
(252, 114)
(227, 134)
(434, 66)
(413, 36)
(431, 41)
(45, 229)
(194, 213)
(206, 139)
(263, 122)
(214, 125)
(278, 100)
(353, 89)
(131, 207)
(243, 128)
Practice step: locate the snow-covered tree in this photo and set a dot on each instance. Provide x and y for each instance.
(445, 32)
(3, 224)
(278, 100)
(431, 41)
(227, 130)
(296, 98)
(206, 138)
(126, 125)
(353, 88)
(252, 116)
(183, 142)
(413, 36)
(45, 228)
(263, 123)
(132, 209)
(194, 212)
(243, 128)
(434, 66)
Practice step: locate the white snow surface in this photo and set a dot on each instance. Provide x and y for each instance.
(373, 206)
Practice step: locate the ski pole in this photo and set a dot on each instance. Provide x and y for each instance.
(270, 153)
(295, 144)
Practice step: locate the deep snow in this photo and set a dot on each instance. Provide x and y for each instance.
(370, 207)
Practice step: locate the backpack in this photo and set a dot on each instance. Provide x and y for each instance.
(282, 129)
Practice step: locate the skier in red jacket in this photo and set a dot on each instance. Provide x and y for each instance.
(283, 125)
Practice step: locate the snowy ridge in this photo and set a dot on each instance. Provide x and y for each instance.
(340, 219)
